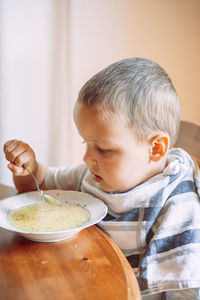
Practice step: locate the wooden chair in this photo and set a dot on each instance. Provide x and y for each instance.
(189, 139)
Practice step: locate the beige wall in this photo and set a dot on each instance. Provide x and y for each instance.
(170, 34)
(167, 31)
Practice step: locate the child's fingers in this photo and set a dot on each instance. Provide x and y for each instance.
(16, 170)
(15, 150)
(9, 149)
(18, 154)
(11, 144)
(8, 145)
(24, 158)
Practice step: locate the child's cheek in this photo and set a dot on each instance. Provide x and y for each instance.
(114, 171)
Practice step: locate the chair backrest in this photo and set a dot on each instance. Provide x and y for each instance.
(189, 139)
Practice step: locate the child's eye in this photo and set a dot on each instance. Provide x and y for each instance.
(103, 151)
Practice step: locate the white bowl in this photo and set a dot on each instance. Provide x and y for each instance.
(95, 206)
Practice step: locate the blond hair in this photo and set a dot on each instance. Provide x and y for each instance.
(140, 92)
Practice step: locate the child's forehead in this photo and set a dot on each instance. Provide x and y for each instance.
(94, 125)
(100, 113)
(104, 118)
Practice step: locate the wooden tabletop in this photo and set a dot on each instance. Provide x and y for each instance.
(87, 266)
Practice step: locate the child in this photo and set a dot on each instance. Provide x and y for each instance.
(128, 116)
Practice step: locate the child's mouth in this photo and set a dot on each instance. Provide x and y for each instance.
(96, 178)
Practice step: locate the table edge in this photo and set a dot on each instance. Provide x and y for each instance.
(133, 293)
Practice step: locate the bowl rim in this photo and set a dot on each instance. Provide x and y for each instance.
(36, 200)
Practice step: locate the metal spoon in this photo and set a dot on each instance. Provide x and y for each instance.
(50, 200)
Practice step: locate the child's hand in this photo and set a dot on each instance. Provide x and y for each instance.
(18, 154)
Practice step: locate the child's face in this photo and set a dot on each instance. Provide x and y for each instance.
(114, 155)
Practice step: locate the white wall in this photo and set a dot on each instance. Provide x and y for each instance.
(25, 75)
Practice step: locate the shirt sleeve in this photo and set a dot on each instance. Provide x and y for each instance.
(65, 178)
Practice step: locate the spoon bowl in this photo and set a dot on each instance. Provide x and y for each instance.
(50, 200)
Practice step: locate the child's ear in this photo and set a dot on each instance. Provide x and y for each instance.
(159, 147)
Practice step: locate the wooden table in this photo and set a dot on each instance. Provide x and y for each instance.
(87, 266)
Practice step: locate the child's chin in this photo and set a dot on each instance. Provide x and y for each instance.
(107, 189)
(113, 190)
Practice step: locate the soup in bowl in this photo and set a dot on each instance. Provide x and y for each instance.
(36, 220)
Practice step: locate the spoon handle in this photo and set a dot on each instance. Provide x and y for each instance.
(36, 182)
(43, 196)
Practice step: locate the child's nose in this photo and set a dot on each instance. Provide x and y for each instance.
(89, 158)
